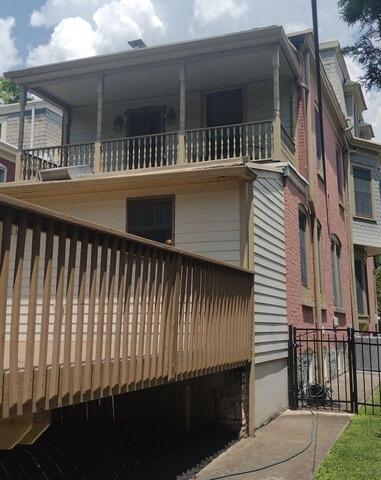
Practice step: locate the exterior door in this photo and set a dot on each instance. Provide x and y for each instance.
(142, 127)
(224, 108)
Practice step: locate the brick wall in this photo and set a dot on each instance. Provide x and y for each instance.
(333, 221)
(10, 168)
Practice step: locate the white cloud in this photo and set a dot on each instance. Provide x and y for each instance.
(53, 11)
(372, 99)
(9, 56)
(111, 27)
(216, 14)
(123, 20)
(72, 38)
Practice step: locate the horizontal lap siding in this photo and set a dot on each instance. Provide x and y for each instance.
(271, 331)
(207, 223)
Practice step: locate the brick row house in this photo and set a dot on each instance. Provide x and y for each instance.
(226, 163)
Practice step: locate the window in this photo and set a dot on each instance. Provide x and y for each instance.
(3, 174)
(336, 272)
(361, 284)
(3, 130)
(362, 183)
(339, 173)
(320, 256)
(151, 218)
(303, 247)
(319, 154)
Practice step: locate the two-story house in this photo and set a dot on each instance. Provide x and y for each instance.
(212, 146)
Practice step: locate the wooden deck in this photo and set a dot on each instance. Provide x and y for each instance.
(87, 312)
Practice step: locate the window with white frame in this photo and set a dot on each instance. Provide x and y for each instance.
(3, 130)
(3, 173)
(361, 284)
(362, 186)
(336, 272)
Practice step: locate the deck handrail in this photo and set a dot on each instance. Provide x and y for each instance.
(88, 311)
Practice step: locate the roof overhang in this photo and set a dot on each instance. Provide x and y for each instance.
(120, 181)
(38, 79)
(358, 144)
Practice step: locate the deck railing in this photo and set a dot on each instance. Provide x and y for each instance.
(253, 140)
(36, 159)
(87, 311)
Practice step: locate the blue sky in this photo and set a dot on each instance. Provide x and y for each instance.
(34, 32)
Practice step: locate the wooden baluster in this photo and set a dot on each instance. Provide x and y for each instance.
(260, 138)
(54, 374)
(187, 316)
(45, 314)
(241, 151)
(150, 314)
(165, 335)
(142, 316)
(118, 317)
(226, 135)
(91, 314)
(97, 377)
(124, 370)
(4, 274)
(150, 148)
(68, 332)
(79, 346)
(106, 381)
(14, 398)
(32, 310)
(157, 316)
(168, 139)
(135, 316)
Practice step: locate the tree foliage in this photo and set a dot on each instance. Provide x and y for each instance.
(9, 91)
(367, 48)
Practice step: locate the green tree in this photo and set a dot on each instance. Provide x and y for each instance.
(367, 48)
(9, 91)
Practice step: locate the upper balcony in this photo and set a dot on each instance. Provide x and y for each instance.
(216, 99)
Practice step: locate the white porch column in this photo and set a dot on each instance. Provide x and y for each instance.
(66, 121)
(97, 146)
(276, 97)
(23, 97)
(182, 100)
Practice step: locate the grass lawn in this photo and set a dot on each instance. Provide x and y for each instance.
(357, 453)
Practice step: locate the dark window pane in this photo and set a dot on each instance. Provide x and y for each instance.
(362, 179)
(318, 141)
(303, 248)
(151, 218)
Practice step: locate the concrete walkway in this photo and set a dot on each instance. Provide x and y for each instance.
(282, 437)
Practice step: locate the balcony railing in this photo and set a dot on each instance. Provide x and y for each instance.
(88, 312)
(253, 140)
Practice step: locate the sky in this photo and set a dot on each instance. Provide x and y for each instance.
(36, 32)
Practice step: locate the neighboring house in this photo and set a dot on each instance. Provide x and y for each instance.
(364, 185)
(219, 156)
(43, 124)
(7, 162)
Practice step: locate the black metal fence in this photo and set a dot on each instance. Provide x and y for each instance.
(334, 369)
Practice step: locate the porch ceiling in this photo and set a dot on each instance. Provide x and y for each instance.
(161, 80)
(211, 63)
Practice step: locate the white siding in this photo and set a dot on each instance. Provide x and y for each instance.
(271, 330)
(207, 223)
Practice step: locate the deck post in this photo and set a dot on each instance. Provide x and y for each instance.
(23, 97)
(276, 97)
(181, 140)
(97, 146)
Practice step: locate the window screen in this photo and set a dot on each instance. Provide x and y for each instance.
(151, 218)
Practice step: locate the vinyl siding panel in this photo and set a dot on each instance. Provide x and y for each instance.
(271, 330)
